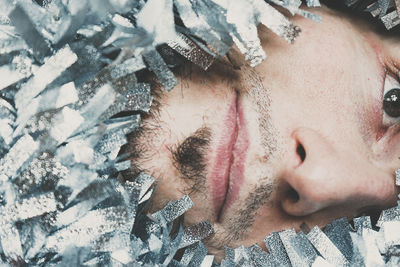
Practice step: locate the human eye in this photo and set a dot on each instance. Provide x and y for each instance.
(391, 101)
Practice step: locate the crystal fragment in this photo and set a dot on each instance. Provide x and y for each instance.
(194, 255)
(87, 67)
(118, 240)
(78, 178)
(122, 22)
(350, 2)
(208, 261)
(123, 256)
(64, 95)
(174, 209)
(157, 65)
(24, 25)
(98, 191)
(321, 262)
(157, 18)
(299, 250)
(97, 106)
(144, 226)
(188, 254)
(48, 21)
(367, 245)
(33, 235)
(155, 244)
(51, 99)
(111, 141)
(313, 3)
(65, 123)
(147, 196)
(64, 26)
(195, 233)
(130, 195)
(390, 232)
(97, 261)
(27, 208)
(338, 232)
(392, 214)
(11, 243)
(80, 149)
(362, 222)
(241, 257)
(129, 66)
(122, 166)
(116, 107)
(275, 21)
(20, 153)
(139, 98)
(89, 228)
(229, 259)
(7, 7)
(261, 258)
(384, 6)
(200, 27)
(374, 9)
(145, 181)
(357, 259)
(7, 111)
(391, 19)
(11, 73)
(246, 38)
(191, 51)
(23, 64)
(173, 246)
(47, 73)
(308, 15)
(326, 248)
(394, 261)
(7, 118)
(9, 40)
(277, 249)
(124, 84)
(4, 148)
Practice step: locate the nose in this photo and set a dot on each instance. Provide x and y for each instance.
(321, 176)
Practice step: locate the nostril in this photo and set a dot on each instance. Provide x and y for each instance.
(301, 152)
(292, 195)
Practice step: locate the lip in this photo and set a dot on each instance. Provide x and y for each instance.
(227, 174)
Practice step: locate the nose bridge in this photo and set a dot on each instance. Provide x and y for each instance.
(328, 176)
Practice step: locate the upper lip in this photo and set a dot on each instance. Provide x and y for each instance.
(229, 161)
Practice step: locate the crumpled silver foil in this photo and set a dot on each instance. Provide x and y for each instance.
(388, 11)
(63, 198)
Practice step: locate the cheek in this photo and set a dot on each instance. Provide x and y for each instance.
(189, 108)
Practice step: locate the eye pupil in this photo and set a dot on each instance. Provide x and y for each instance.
(391, 103)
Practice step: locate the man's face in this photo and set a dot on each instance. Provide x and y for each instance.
(300, 138)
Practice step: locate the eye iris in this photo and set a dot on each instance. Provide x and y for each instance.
(391, 102)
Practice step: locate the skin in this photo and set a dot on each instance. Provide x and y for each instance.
(322, 94)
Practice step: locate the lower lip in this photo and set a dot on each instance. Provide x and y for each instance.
(228, 171)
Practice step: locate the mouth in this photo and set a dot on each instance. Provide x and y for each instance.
(227, 174)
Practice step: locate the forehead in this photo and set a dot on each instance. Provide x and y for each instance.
(359, 22)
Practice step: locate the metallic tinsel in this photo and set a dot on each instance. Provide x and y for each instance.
(63, 200)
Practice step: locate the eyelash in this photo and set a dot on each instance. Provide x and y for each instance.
(391, 81)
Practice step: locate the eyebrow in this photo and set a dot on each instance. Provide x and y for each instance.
(189, 158)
